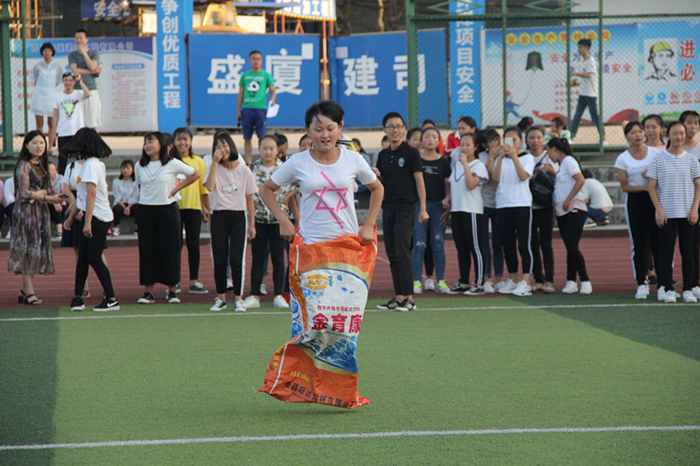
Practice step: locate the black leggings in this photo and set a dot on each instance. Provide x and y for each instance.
(515, 230)
(667, 239)
(90, 255)
(263, 233)
(228, 243)
(191, 219)
(542, 226)
(465, 232)
(118, 212)
(644, 233)
(571, 229)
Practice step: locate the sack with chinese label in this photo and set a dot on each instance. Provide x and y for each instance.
(330, 284)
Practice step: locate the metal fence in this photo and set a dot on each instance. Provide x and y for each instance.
(646, 64)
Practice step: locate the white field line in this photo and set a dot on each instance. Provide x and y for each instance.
(215, 314)
(274, 438)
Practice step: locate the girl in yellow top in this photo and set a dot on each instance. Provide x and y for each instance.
(194, 205)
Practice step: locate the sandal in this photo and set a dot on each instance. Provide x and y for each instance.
(22, 298)
(548, 287)
(32, 302)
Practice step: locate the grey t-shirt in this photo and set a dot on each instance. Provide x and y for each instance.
(76, 57)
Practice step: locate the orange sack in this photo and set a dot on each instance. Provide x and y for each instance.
(330, 284)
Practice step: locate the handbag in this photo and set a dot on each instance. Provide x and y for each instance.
(541, 187)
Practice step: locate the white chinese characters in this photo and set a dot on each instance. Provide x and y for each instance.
(401, 68)
(230, 67)
(360, 76)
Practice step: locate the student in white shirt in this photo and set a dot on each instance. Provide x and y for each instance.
(8, 200)
(231, 188)
(158, 216)
(588, 93)
(513, 171)
(542, 215)
(654, 126)
(640, 214)
(598, 201)
(467, 207)
(93, 200)
(674, 187)
(67, 114)
(570, 208)
(691, 121)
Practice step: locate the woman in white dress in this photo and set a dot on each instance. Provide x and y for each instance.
(46, 76)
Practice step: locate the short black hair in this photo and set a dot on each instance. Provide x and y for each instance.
(67, 74)
(126, 163)
(281, 139)
(254, 52)
(486, 136)
(631, 125)
(513, 129)
(271, 137)
(87, 143)
(163, 141)
(688, 113)
(176, 133)
(559, 122)
(304, 136)
(467, 120)
(530, 130)
(328, 108)
(47, 45)
(585, 43)
(412, 131)
(391, 115)
(81, 30)
(428, 121)
(224, 135)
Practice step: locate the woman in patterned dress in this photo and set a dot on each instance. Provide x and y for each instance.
(30, 247)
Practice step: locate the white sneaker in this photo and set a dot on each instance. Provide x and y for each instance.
(586, 288)
(429, 284)
(676, 294)
(642, 292)
(696, 292)
(670, 297)
(263, 289)
(661, 294)
(229, 284)
(488, 287)
(219, 305)
(116, 231)
(417, 287)
(280, 302)
(509, 286)
(570, 287)
(240, 306)
(250, 301)
(689, 297)
(523, 289)
(498, 286)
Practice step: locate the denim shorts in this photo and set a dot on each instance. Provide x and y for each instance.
(253, 118)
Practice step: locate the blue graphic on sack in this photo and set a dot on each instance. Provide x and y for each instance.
(339, 354)
(315, 285)
(297, 324)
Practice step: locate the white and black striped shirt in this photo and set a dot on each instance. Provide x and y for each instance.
(675, 184)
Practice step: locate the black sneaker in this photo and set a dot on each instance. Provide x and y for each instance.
(172, 297)
(148, 298)
(407, 305)
(475, 291)
(459, 288)
(198, 288)
(77, 304)
(390, 306)
(107, 305)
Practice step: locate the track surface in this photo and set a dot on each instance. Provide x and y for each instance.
(607, 259)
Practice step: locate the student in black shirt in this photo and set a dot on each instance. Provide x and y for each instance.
(399, 167)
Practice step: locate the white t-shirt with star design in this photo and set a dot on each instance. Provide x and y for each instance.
(327, 207)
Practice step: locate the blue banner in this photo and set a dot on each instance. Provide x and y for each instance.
(369, 76)
(104, 9)
(465, 60)
(174, 23)
(217, 62)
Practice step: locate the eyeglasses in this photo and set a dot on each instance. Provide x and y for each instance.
(393, 127)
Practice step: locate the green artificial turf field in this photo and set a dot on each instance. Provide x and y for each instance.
(438, 378)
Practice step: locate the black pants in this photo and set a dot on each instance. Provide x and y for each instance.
(696, 255)
(159, 244)
(428, 257)
(667, 239)
(2, 214)
(542, 226)
(398, 241)
(571, 229)
(8, 213)
(228, 243)
(56, 217)
(515, 230)
(90, 255)
(118, 212)
(191, 219)
(62, 159)
(470, 244)
(267, 232)
(644, 233)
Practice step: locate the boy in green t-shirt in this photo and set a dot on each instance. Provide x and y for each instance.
(252, 102)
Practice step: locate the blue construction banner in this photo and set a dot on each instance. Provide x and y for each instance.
(465, 61)
(369, 76)
(104, 9)
(217, 62)
(174, 23)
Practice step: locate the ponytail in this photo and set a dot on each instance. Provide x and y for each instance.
(561, 145)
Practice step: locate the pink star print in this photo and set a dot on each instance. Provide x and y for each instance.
(342, 202)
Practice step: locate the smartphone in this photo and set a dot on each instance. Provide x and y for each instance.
(63, 196)
(509, 141)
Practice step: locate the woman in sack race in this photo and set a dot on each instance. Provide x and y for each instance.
(542, 188)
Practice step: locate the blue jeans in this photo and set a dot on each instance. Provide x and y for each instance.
(437, 240)
(494, 253)
(596, 213)
(592, 104)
